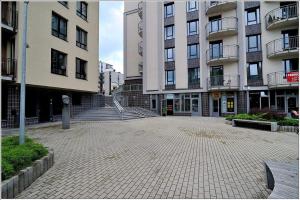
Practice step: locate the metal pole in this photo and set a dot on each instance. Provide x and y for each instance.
(23, 79)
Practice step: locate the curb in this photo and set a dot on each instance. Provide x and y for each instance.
(15, 185)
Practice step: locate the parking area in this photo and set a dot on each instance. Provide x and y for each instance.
(161, 157)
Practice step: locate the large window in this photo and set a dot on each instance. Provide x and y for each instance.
(192, 27)
(169, 32)
(254, 70)
(193, 51)
(194, 75)
(169, 54)
(81, 38)
(216, 49)
(59, 26)
(81, 10)
(81, 68)
(253, 43)
(252, 16)
(291, 65)
(191, 6)
(169, 10)
(170, 77)
(215, 23)
(58, 62)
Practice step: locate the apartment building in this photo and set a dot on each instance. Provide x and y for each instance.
(62, 58)
(212, 58)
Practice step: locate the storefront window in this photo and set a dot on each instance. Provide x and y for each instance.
(177, 105)
(280, 104)
(187, 105)
(230, 104)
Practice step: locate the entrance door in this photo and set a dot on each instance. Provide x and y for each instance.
(169, 106)
(44, 115)
(292, 104)
(216, 107)
(195, 107)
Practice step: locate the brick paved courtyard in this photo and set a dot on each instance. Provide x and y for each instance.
(172, 157)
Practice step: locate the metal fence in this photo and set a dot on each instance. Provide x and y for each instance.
(223, 82)
(282, 13)
(223, 24)
(282, 44)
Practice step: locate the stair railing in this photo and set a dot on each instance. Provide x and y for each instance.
(118, 107)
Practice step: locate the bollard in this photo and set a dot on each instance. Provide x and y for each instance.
(66, 112)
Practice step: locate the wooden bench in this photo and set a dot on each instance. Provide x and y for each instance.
(283, 179)
(272, 126)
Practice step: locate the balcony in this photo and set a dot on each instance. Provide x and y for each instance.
(283, 48)
(9, 69)
(141, 67)
(140, 48)
(140, 9)
(9, 17)
(223, 82)
(140, 28)
(282, 17)
(283, 80)
(222, 54)
(220, 28)
(212, 7)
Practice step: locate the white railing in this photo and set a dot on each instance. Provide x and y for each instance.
(223, 82)
(223, 24)
(222, 52)
(281, 78)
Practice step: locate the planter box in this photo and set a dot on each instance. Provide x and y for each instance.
(289, 129)
(10, 188)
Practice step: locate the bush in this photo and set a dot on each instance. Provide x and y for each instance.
(289, 122)
(268, 114)
(16, 157)
(244, 116)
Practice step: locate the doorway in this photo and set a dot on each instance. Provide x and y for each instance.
(195, 107)
(170, 107)
(216, 107)
(292, 103)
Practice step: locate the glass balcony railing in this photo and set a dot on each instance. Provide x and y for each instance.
(283, 46)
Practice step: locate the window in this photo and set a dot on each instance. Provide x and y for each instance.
(169, 32)
(153, 104)
(169, 10)
(252, 16)
(193, 51)
(81, 69)
(169, 54)
(254, 71)
(230, 104)
(81, 38)
(290, 39)
(170, 77)
(191, 6)
(291, 65)
(64, 3)
(192, 27)
(216, 76)
(216, 49)
(58, 62)
(82, 9)
(215, 23)
(59, 26)
(253, 43)
(194, 75)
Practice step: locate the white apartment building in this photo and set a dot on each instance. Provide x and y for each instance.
(62, 58)
(212, 58)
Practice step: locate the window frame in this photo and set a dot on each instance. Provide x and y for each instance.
(79, 10)
(58, 33)
(64, 3)
(172, 31)
(191, 9)
(55, 68)
(258, 69)
(258, 43)
(292, 62)
(78, 71)
(193, 56)
(256, 12)
(167, 58)
(192, 73)
(166, 6)
(171, 82)
(79, 43)
(189, 32)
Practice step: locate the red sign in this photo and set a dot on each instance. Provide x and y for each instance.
(292, 77)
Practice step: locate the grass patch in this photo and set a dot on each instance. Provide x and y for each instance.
(16, 157)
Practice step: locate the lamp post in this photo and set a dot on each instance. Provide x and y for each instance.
(23, 79)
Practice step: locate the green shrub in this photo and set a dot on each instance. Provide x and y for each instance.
(16, 157)
(289, 122)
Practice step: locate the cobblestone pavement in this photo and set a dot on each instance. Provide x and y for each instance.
(163, 157)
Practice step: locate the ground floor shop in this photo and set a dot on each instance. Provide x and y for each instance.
(42, 104)
(222, 103)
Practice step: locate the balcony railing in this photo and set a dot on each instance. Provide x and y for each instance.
(9, 68)
(140, 28)
(282, 14)
(133, 87)
(224, 25)
(217, 6)
(223, 82)
(222, 54)
(283, 46)
(140, 48)
(140, 9)
(9, 15)
(282, 79)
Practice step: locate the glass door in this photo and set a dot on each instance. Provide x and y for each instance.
(216, 49)
(195, 107)
(216, 76)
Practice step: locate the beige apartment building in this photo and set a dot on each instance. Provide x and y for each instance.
(62, 58)
(211, 58)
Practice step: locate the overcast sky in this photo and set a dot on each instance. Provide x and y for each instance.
(111, 33)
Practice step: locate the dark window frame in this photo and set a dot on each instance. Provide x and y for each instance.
(194, 75)
(166, 6)
(193, 56)
(169, 37)
(58, 33)
(258, 76)
(56, 62)
(189, 32)
(256, 12)
(257, 46)
(292, 64)
(64, 3)
(172, 76)
(167, 58)
(79, 10)
(191, 9)
(81, 69)
(79, 37)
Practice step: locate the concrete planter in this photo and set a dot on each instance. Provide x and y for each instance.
(289, 129)
(15, 185)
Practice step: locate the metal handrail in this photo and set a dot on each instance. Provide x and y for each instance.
(225, 81)
(278, 78)
(223, 51)
(9, 67)
(282, 13)
(282, 44)
(226, 23)
(118, 107)
(210, 4)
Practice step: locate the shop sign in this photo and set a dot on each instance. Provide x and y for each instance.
(216, 95)
(170, 96)
(292, 77)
